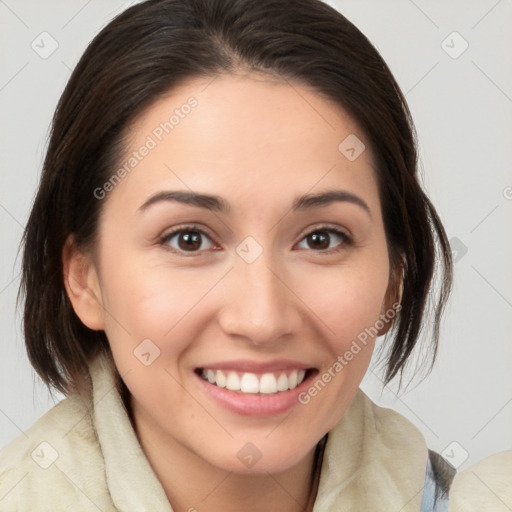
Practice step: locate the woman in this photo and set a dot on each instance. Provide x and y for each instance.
(229, 216)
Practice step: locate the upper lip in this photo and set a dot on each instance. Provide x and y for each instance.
(244, 365)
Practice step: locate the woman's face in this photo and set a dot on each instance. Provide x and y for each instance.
(261, 287)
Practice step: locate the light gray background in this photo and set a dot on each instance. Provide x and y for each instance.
(462, 109)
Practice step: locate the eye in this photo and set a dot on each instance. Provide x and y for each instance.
(321, 239)
(187, 239)
(193, 240)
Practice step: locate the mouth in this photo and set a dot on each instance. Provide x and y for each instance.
(268, 383)
(261, 392)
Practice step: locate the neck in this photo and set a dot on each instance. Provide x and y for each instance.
(193, 484)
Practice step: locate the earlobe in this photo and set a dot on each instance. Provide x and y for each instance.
(82, 285)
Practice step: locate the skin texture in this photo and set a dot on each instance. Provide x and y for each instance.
(259, 144)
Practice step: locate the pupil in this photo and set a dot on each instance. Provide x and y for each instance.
(190, 240)
(320, 240)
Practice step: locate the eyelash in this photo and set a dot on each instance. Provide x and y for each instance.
(346, 240)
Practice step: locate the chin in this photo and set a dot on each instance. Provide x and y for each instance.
(260, 457)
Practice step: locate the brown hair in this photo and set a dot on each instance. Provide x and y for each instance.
(154, 46)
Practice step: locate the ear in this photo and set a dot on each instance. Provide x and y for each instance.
(82, 285)
(393, 296)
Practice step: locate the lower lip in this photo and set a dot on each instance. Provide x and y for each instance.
(255, 404)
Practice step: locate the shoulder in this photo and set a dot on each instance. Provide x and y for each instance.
(376, 448)
(69, 415)
(487, 485)
(399, 434)
(392, 428)
(57, 461)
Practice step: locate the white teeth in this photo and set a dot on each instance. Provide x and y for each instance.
(282, 382)
(220, 379)
(233, 382)
(249, 383)
(266, 383)
(292, 380)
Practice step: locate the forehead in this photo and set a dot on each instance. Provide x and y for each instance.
(245, 136)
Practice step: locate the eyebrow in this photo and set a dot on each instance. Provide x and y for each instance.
(218, 204)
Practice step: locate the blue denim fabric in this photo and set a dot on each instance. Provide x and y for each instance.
(434, 498)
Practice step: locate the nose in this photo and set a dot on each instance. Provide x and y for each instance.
(259, 303)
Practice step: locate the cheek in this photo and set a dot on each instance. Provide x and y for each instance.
(156, 304)
(348, 305)
(150, 329)
(347, 301)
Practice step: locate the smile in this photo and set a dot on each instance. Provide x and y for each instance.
(252, 388)
(252, 383)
